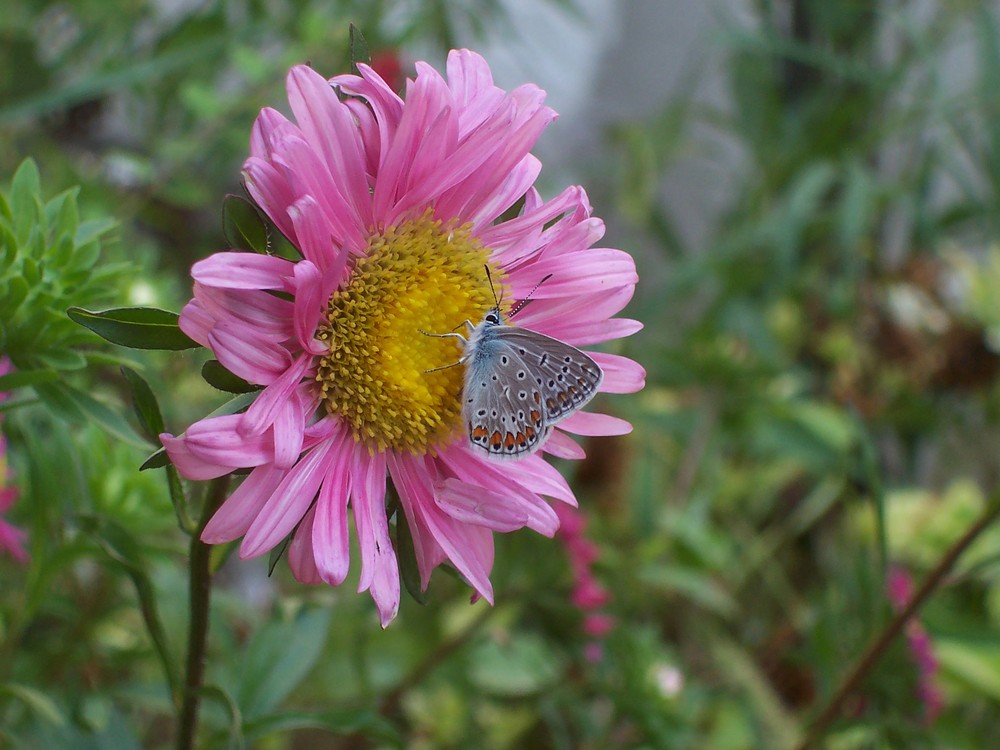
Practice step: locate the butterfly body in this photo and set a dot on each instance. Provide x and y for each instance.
(518, 384)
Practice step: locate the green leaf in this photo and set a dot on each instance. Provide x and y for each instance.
(77, 406)
(277, 658)
(25, 190)
(37, 701)
(144, 404)
(278, 552)
(219, 377)
(523, 665)
(135, 327)
(156, 461)
(359, 49)
(21, 378)
(126, 550)
(62, 214)
(16, 292)
(407, 557)
(235, 405)
(62, 359)
(341, 722)
(93, 229)
(243, 226)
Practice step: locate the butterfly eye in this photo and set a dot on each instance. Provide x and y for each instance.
(493, 317)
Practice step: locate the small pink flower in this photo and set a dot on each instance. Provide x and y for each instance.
(899, 587)
(11, 537)
(395, 207)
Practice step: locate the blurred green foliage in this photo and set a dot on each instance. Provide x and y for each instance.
(822, 400)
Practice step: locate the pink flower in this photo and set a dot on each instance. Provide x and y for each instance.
(395, 207)
(899, 587)
(11, 537)
(589, 596)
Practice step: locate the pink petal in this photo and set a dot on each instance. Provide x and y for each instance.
(588, 423)
(542, 478)
(255, 360)
(621, 374)
(470, 548)
(300, 553)
(578, 273)
(305, 171)
(310, 304)
(190, 465)
(288, 504)
(265, 408)
(267, 315)
(472, 504)
(503, 482)
(468, 75)
(379, 569)
(232, 520)
(330, 542)
(196, 322)
(218, 440)
(329, 126)
(262, 136)
(12, 541)
(288, 431)
(242, 271)
(271, 190)
(562, 446)
(414, 488)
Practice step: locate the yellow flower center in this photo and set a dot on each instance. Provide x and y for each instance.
(418, 276)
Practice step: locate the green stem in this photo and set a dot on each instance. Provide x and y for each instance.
(877, 648)
(199, 598)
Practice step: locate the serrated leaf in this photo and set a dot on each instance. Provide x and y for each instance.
(21, 378)
(243, 226)
(219, 377)
(144, 404)
(135, 327)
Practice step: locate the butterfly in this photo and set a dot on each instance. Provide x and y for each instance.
(519, 383)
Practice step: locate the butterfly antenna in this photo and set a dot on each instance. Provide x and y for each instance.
(520, 305)
(489, 278)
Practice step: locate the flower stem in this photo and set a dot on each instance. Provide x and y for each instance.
(877, 648)
(199, 599)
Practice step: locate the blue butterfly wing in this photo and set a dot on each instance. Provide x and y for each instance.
(502, 404)
(565, 377)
